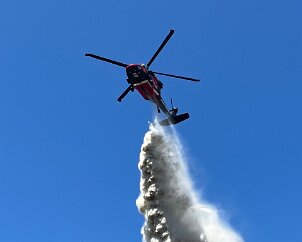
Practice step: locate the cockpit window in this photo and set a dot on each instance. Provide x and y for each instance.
(136, 74)
(134, 71)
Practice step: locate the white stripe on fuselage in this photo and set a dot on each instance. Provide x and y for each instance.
(146, 81)
(140, 83)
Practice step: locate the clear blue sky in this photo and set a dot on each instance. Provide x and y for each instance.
(69, 151)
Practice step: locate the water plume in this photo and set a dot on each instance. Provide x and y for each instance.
(173, 211)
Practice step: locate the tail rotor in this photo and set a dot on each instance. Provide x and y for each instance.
(173, 111)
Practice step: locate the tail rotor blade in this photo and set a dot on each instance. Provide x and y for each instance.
(179, 77)
(161, 47)
(106, 60)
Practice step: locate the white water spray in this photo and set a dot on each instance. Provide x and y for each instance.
(172, 210)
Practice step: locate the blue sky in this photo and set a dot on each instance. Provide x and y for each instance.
(69, 151)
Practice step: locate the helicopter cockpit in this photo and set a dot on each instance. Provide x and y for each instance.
(136, 73)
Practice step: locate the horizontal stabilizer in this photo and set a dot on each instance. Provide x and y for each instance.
(174, 119)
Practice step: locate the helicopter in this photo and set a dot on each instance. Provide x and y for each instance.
(142, 79)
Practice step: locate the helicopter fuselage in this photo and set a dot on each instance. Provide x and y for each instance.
(144, 81)
(147, 84)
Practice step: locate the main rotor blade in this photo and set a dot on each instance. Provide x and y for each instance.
(130, 88)
(161, 47)
(175, 76)
(107, 60)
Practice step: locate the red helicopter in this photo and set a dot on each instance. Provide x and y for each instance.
(146, 83)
